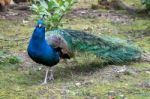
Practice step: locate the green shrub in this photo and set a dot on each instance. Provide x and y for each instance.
(13, 60)
(6, 58)
(53, 9)
(147, 4)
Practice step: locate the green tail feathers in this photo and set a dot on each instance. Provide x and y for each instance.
(112, 50)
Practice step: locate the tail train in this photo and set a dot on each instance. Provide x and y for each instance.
(112, 50)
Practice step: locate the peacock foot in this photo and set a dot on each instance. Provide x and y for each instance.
(44, 83)
(51, 78)
(45, 79)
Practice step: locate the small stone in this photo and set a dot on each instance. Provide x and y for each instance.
(145, 84)
(40, 68)
(78, 84)
(148, 72)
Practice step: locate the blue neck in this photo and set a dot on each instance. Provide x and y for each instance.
(39, 33)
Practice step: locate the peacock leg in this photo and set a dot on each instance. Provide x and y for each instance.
(51, 77)
(46, 74)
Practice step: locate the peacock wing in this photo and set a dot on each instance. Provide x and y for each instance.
(58, 39)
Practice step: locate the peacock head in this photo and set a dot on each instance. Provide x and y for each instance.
(40, 23)
(39, 31)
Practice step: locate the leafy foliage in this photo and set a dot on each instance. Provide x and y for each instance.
(53, 9)
(147, 4)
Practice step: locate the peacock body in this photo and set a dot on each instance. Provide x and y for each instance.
(40, 51)
(49, 48)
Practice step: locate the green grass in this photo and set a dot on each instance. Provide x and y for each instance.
(80, 78)
(14, 35)
(17, 83)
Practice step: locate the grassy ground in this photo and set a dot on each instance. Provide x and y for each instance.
(83, 77)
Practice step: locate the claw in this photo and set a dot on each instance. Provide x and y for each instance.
(44, 83)
(50, 78)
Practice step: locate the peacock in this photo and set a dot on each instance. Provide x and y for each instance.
(48, 48)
